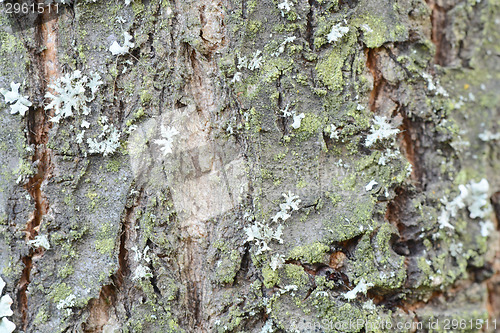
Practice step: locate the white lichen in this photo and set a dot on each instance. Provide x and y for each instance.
(167, 140)
(6, 326)
(142, 258)
(67, 304)
(337, 32)
(116, 49)
(451, 208)
(237, 77)
(85, 124)
(369, 305)
(252, 64)
(380, 130)
(282, 46)
(477, 199)
(79, 137)
(474, 196)
(282, 214)
(256, 61)
(489, 136)
(486, 227)
(139, 256)
(370, 185)
(334, 135)
(321, 293)
(142, 272)
(18, 103)
(431, 86)
(40, 241)
(277, 261)
(456, 249)
(409, 169)
(262, 234)
(242, 62)
(286, 112)
(291, 204)
(285, 7)
(361, 287)
(120, 20)
(72, 93)
(268, 327)
(297, 118)
(109, 139)
(366, 28)
(387, 155)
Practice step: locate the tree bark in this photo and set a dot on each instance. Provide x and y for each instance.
(283, 166)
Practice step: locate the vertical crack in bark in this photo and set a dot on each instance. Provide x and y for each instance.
(411, 132)
(411, 129)
(378, 81)
(309, 27)
(203, 86)
(281, 119)
(384, 100)
(46, 69)
(398, 212)
(193, 231)
(439, 22)
(207, 94)
(100, 309)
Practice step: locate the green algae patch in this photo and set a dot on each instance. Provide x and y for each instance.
(330, 68)
(296, 275)
(372, 261)
(271, 277)
(309, 126)
(105, 242)
(377, 31)
(228, 266)
(60, 292)
(311, 253)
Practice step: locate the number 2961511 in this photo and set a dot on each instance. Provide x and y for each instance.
(28, 8)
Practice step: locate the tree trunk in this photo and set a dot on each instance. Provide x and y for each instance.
(252, 166)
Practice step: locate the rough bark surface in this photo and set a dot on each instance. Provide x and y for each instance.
(151, 240)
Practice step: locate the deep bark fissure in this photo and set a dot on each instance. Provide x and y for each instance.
(439, 22)
(45, 67)
(378, 80)
(244, 9)
(399, 211)
(409, 243)
(410, 145)
(281, 118)
(191, 250)
(309, 26)
(410, 128)
(109, 296)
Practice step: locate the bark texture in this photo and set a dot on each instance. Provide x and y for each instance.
(188, 240)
